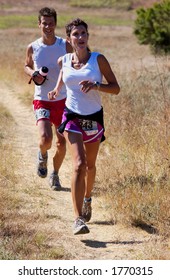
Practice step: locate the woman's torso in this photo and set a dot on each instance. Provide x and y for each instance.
(77, 101)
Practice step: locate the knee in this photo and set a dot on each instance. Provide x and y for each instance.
(80, 167)
(61, 144)
(91, 168)
(46, 140)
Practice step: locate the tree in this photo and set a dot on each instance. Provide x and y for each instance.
(152, 26)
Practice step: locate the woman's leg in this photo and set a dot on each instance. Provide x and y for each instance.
(91, 153)
(75, 143)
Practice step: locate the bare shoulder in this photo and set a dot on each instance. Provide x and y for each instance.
(69, 48)
(102, 59)
(103, 63)
(59, 61)
(29, 48)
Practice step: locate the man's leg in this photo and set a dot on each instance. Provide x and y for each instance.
(45, 142)
(60, 151)
(57, 161)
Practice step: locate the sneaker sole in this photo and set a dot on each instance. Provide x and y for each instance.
(87, 219)
(82, 230)
(54, 188)
(42, 176)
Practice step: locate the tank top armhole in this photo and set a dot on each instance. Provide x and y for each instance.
(61, 42)
(66, 59)
(95, 60)
(35, 44)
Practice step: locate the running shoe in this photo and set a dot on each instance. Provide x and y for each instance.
(80, 227)
(54, 182)
(87, 210)
(42, 165)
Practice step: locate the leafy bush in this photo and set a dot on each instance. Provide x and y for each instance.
(152, 26)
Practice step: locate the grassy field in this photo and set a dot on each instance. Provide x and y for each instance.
(133, 165)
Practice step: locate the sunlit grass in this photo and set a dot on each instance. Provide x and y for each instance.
(23, 234)
(18, 21)
(92, 3)
(136, 184)
(30, 21)
(101, 4)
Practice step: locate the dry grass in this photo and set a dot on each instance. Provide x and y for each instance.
(23, 234)
(136, 155)
(134, 186)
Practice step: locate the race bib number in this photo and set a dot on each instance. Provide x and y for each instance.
(89, 127)
(42, 114)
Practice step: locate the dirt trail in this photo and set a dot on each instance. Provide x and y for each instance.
(105, 241)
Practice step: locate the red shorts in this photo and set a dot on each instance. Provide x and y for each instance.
(51, 111)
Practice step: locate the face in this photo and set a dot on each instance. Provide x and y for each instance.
(47, 26)
(79, 37)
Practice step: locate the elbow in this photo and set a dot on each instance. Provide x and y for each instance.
(118, 90)
(114, 88)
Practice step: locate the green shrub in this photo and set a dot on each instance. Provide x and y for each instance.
(152, 26)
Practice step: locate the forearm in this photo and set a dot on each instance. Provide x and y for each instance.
(60, 82)
(28, 70)
(56, 91)
(112, 88)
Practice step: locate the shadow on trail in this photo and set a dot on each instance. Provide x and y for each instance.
(65, 189)
(104, 223)
(103, 244)
(148, 228)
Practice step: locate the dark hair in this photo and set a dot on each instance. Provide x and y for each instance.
(47, 12)
(75, 22)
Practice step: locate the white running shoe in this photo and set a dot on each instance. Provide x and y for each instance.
(42, 165)
(54, 182)
(87, 210)
(80, 227)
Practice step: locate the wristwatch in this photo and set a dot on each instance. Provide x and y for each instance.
(97, 84)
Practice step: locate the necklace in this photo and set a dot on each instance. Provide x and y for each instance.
(79, 64)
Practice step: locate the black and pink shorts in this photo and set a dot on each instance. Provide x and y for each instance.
(91, 130)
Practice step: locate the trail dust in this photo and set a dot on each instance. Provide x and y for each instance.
(105, 240)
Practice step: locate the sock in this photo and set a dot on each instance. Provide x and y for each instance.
(87, 199)
(43, 156)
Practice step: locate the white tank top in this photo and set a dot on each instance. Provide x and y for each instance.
(47, 55)
(77, 101)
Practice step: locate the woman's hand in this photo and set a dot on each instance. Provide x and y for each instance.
(86, 86)
(53, 94)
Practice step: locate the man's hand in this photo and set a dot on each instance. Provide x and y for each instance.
(38, 79)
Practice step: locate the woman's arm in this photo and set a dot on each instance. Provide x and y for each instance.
(111, 86)
(56, 91)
